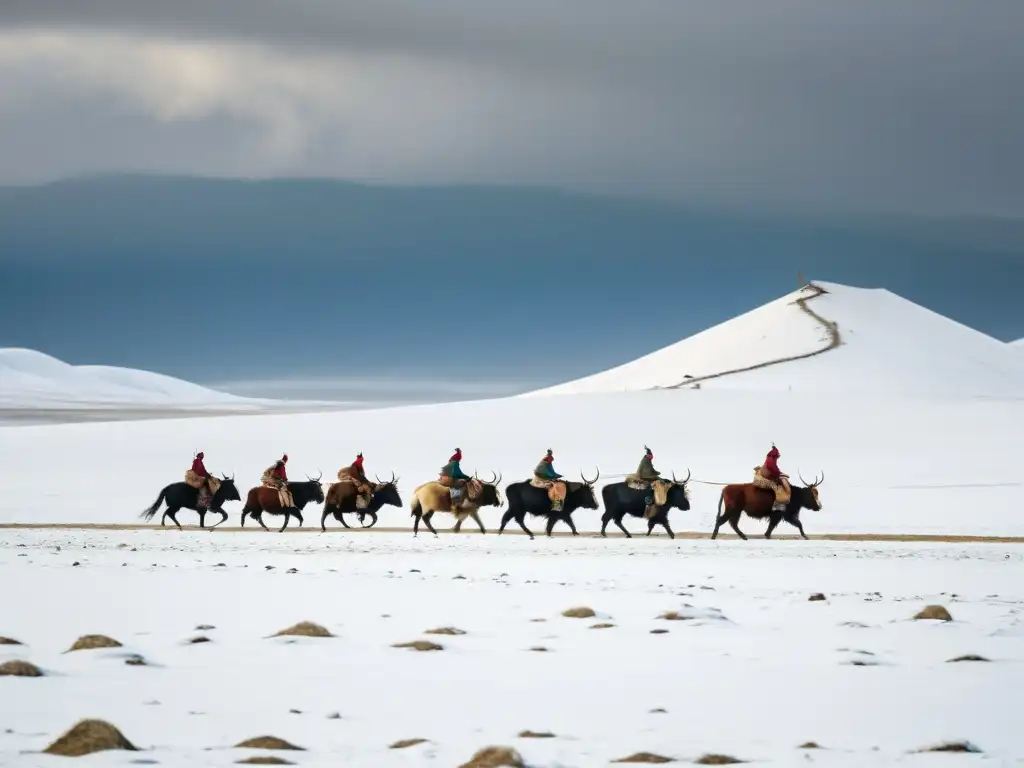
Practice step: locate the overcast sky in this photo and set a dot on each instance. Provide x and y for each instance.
(910, 106)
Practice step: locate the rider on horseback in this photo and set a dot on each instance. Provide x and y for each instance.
(199, 478)
(644, 479)
(546, 476)
(454, 479)
(355, 474)
(276, 476)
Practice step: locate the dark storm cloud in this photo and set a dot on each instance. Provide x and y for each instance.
(870, 104)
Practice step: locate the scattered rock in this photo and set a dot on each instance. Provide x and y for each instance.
(968, 657)
(406, 743)
(953, 746)
(263, 760)
(135, 661)
(75, 564)
(304, 629)
(645, 757)
(495, 757)
(205, 627)
(816, 597)
(603, 625)
(659, 711)
(19, 668)
(266, 742)
(294, 711)
(445, 631)
(199, 639)
(292, 570)
(420, 645)
(334, 716)
(459, 577)
(716, 760)
(538, 620)
(810, 745)
(88, 736)
(9, 641)
(90, 642)
(536, 735)
(936, 612)
(539, 649)
(579, 613)
(659, 631)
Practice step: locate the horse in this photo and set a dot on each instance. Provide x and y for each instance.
(183, 496)
(759, 503)
(341, 499)
(264, 499)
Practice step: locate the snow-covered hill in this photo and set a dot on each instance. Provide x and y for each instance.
(30, 379)
(887, 346)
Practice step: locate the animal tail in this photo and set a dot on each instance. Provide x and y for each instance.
(415, 508)
(150, 511)
(721, 498)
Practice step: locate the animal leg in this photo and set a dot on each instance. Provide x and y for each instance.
(521, 519)
(505, 520)
(618, 522)
(287, 517)
(244, 513)
(571, 524)
(795, 522)
(667, 527)
(202, 518)
(259, 519)
(551, 524)
(323, 520)
(476, 517)
(417, 516)
(722, 517)
(772, 523)
(223, 518)
(605, 519)
(173, 514)
(734, 522)
(458, 524)
(426, 521)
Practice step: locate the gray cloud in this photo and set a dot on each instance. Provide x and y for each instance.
(910, 106)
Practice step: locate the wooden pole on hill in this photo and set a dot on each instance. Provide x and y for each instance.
(800, 278)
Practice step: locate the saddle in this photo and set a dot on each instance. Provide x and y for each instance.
(556, 489)
(364, 491)
(783, 491)
(659, 487)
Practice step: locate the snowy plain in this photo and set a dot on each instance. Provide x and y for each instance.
(756, 672)
(917, 432)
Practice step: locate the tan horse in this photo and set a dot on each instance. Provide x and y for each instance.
(433, 497)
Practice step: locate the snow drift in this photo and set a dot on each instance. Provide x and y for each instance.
(30, 379)
(886, 346)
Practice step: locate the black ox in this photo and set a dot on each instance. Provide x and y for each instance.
(524, 499)
(181, 495)
(621, 500)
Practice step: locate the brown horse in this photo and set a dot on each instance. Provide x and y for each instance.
(758, 503)
(263, 499)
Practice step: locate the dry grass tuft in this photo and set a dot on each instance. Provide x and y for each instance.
(716, 760)
(18, 668)
(673, 616)
(88, 736)
(199, 639)
(645, 757)
(603, 625)
(967, 657)
(936, 612)
(583, 612)
(495, 757)
(816, 597)
(953, 746)
(9, 641)
(263, 760)
(445, 631)
(266, 742)
(536, 735)
(406, 743)
(304, 629)
(810, 745)
(420, 645)
(91, 642)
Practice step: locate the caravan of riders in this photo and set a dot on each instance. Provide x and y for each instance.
(643, 494)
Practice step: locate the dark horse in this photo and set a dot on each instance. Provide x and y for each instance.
(758, 503)
(263, 499)
(341, 499)
(524, 498)
(184, 496)
(621, 500)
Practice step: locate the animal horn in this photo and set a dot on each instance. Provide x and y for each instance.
(819, 482)
(379, 481)
(494, 479)
(393, 478)
(801, 476)
(320, 473)
(591, 482)
(688, 474)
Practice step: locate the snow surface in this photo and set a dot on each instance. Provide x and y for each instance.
(30, 379)
(890, 346)
(853, 673)
(1018, 344)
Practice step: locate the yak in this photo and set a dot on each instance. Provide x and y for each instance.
(341, 499)
(758, 503)
(525, 498)
(183, 496)
(264, 499)
(433, 497)
(621, 500)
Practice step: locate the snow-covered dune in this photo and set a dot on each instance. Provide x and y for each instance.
(888, 346)
(30, 379)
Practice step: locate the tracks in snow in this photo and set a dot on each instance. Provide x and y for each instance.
(834, 340)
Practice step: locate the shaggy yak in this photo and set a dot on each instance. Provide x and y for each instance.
(341, 500)
(525, 498)
(264, 499)
(758, 502)
(433, 497)
(184, 496)
(621, 500)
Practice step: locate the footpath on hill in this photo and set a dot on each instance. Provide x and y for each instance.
(831, 328)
